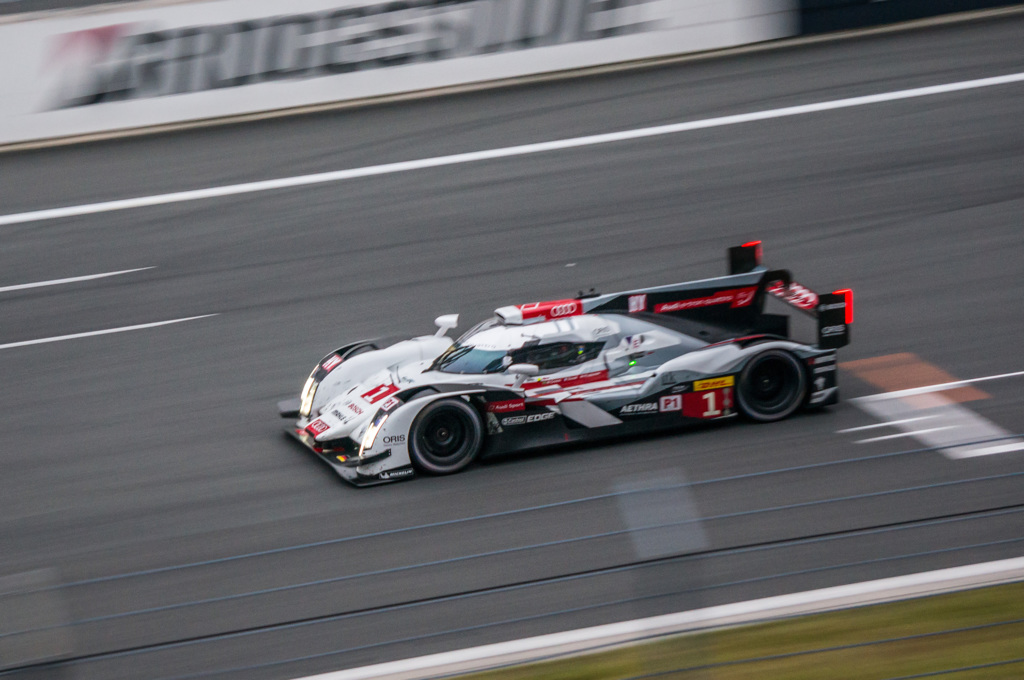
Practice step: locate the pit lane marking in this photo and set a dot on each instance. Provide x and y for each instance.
(909, 433)
(903, 408)
(105, 331)
(878, 425)
(505, 152)
(73, 279)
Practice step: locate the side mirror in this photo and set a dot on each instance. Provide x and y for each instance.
(525, 370)
(445, 322)
(522, 372)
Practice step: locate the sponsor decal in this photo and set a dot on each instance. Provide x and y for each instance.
(833, 330)
(828, 359)
(317, 427)
(634, 341)
(708, 404)
(506, 406)
(331, 362)
(571, 380)
(670, 403)
(555, 309)
(634, 409)
(343, 417)
(533, 418)
(637, 303)
(795, 294)
(141, 61)
(396, 474)
(714, 383)
(394, 439)
(834, 305)
(379, 392)
(824, 369)
(391, 404)
(602, 331)
(352, 407)
(736, 297)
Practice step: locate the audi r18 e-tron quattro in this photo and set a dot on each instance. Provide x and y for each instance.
(569, 370)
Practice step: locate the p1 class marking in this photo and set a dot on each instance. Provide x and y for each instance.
(506, 152)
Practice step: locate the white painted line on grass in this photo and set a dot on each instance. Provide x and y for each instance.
(73, 279)
(579, 641)
(910, 433)
(106, 331)
(507, 152)
(877, 425)
(914, 391)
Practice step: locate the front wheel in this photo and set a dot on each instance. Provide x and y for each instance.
(772, 386)
(445, 437)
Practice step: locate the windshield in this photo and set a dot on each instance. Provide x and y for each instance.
(468, 359)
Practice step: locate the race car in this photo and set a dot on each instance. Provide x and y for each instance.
(569, 370)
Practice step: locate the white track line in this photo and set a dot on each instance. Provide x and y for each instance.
(912, 433)
(886, 424)
(73, 279)
(914, 391)
(525, 650)
(106, 331)
(507, 152)
(988, 450)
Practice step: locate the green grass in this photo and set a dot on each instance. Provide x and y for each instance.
(704, 653)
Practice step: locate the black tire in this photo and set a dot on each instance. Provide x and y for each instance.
(445, 437)
(772, 386)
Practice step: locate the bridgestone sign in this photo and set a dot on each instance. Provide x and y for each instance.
(133, 64)
(81, 73)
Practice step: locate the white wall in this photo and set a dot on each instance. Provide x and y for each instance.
(71, 74)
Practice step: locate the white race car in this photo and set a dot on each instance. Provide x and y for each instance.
(545, 373)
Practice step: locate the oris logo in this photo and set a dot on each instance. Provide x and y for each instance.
(833, 330)
(564, 309)
(396, 439)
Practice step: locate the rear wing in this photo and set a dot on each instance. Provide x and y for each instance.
(736, 302)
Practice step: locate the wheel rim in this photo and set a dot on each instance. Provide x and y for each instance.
(768, 381)
(772, 386)
(444, 436)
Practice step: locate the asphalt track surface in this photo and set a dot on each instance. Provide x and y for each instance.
(147, 449)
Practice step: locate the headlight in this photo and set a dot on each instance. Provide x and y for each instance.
(308, 391)
(371, 432)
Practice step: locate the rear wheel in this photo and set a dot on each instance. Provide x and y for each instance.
(772, 386)
(445, 437)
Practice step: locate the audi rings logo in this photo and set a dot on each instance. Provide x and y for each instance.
(567, 309)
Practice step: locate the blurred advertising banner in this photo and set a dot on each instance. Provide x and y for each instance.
(149, 65)
(820, 16)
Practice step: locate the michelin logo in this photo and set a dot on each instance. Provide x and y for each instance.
(396, 474)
